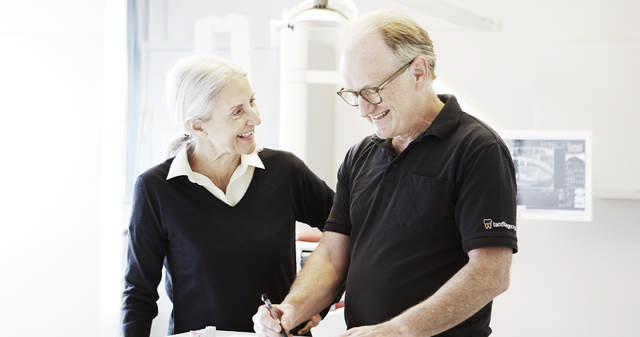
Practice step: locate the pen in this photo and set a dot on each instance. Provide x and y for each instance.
(267, 302)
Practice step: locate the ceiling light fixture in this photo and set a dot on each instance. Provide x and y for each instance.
(321, 12)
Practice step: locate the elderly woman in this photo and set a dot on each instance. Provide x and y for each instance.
(221, 214)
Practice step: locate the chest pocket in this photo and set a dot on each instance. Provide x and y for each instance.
(422, 202)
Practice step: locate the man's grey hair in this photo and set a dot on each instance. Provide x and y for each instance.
(401, 34)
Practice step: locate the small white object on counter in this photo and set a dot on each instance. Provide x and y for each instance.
(209, 331)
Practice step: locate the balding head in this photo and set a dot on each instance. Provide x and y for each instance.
(402, 35)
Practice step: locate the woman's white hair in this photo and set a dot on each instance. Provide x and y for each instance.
(191, 88)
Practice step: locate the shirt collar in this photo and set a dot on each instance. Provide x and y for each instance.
(180, 165)
(444, 124)
(447, 120)
(252, 160)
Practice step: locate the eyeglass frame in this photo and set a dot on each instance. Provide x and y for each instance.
(376, 89)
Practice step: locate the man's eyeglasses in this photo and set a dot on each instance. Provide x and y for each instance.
(370, 94)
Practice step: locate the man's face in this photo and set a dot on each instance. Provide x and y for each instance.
(367, 62)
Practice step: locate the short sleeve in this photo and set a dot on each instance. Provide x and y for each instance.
(486, 202)
(339, 220)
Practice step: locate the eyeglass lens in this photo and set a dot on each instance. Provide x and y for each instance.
(371, 95)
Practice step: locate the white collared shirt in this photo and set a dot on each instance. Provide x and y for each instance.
(238, 184)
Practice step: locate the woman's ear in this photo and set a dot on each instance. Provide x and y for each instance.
(197, 127)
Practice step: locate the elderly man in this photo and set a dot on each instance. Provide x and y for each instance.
(422, 229)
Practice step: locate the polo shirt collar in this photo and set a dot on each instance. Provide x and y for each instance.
(443, 125)
(180, 165)
(446, 121)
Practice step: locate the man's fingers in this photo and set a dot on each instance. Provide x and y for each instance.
(305, 328)
(314, 321)
(264, 324)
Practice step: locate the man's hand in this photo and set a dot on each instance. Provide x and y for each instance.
(314, 289)
(266, 325)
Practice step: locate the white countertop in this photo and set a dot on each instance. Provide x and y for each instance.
(221, 333)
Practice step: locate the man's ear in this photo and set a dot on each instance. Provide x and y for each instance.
(420, 70)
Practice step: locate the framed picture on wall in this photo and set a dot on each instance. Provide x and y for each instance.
(553, 173)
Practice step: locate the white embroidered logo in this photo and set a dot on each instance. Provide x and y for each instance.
(489, 224)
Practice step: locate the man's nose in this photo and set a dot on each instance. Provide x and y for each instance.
(365, 107)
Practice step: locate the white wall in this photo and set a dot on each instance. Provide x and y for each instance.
(55, 142)
(575, 279)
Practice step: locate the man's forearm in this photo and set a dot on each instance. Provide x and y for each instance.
(321, 277)
(463, 295)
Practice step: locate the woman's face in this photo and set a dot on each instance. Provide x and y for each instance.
(234, 118)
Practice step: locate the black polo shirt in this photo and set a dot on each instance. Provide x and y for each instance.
(413, 217)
